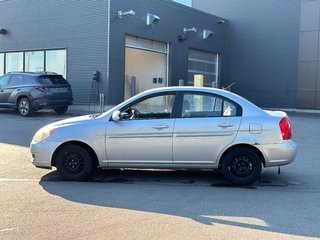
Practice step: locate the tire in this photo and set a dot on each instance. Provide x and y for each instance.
(241, 166)
(24, 107)
(74, 163)
(61, 110)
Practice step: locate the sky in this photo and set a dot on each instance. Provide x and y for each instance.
(185, 2)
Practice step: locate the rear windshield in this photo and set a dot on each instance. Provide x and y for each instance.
(52, 79)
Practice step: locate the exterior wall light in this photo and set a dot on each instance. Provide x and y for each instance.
(152, 19)
(206, 33)
(185, 30)
(3, 31)
(130, 12)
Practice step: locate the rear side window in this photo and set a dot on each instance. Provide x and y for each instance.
(52, 79)
(28, 79)
(207, 105)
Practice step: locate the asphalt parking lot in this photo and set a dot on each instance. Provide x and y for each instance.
(154, 204)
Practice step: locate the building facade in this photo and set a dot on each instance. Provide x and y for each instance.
(133, 45)
(272, 50)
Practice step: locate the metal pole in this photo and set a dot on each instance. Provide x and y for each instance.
(181, 82)
(133, 85)
(214, 84)
(101, 96)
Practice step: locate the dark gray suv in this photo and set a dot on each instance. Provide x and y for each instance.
(28, 92)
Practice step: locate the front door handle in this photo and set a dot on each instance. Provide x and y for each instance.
(225, 125)
(160, 127)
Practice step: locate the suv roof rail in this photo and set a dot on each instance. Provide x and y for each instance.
(36, 73)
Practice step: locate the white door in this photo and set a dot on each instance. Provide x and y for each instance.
(146, 61)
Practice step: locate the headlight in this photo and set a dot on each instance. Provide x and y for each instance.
(43, 134)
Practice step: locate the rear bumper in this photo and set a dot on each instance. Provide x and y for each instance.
(279, 154)
(49, 103)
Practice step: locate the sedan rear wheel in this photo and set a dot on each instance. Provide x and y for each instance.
(74, 163)
(241, 166)
(24, 107)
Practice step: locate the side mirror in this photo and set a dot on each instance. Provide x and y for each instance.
(116, 116)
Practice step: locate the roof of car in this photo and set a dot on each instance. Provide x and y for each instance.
(34, 73)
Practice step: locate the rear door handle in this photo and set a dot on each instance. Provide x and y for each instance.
(225, 125)
(1, 90)
(160, 127)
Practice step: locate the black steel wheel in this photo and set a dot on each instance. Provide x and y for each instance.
(61, 110)
(74, 162)
(241, 166)
(24, 107)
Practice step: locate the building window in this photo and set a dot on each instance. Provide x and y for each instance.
(1, 64)
(14, 61)
(34, 61)
(184, 2)
(204, 63)
(56, 61)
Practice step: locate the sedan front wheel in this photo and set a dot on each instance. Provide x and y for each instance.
(74, 163)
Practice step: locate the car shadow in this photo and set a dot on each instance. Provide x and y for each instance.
(203, 196)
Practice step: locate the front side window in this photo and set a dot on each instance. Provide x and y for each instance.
(157, 107)
(206, 105)
(4, 80)
(14, 61)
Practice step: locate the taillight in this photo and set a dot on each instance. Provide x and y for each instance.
(285, 128)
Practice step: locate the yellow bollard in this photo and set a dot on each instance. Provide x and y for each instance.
(198, 82)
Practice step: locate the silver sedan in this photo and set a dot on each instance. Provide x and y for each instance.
(173, 127)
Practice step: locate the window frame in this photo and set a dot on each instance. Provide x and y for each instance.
(34, 50)
(180, 97)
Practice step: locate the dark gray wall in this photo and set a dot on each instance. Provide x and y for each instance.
(78, 26)
(82, 28)
(174, 17)
(262, 50)
(308, 92)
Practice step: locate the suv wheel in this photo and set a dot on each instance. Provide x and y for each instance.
(61, 110)
(24, 107)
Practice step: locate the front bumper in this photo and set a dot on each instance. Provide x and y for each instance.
(279, 154)
(42, 153)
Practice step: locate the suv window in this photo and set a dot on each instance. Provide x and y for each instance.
(52, 79)
(4, 80)
(206, 105)
(29, 79)
(16, 79)
(156, 107)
